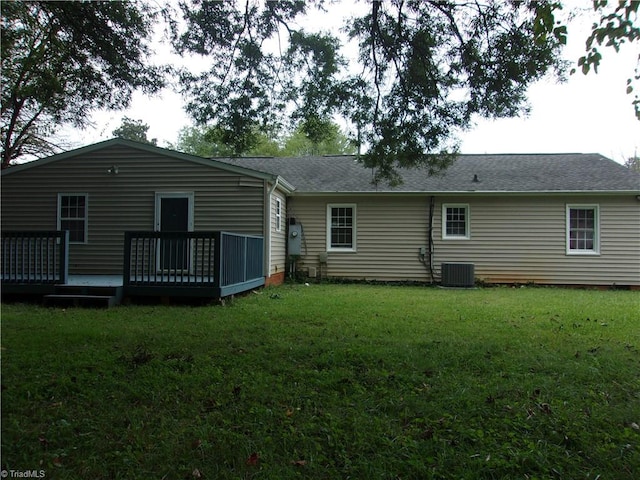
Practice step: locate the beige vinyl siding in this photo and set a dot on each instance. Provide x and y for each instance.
(126, 201)
(512, 238)
(523, 239)
(278, 238)
(389, 234)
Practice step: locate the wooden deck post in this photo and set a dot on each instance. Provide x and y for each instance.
(64, 257)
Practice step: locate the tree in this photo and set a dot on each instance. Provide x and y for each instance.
(192, 140)
(210, 142)
(614, 28)
(425, 68)
(329, 140)
(633, 163)
(134, 130)
(61, 60)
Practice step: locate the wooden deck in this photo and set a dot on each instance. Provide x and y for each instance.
(163, 264)
(95, 281)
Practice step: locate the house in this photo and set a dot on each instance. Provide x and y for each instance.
(176, 209)
(553, 219)
(152, 221)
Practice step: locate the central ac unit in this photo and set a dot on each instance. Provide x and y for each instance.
(457, 275)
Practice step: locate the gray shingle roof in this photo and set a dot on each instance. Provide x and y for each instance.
(571, 172)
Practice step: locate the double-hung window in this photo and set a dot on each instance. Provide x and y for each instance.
(455, 222)
(341, 227)
(72, 215)
(278, 215)
(583, 229)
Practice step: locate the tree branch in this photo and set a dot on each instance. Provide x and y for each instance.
(375, 31)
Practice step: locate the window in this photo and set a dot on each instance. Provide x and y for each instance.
(582, 229)
(72, 215)
(278, 215)
(455, 222)
(341, 228)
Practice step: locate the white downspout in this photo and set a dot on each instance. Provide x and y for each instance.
(267, 235)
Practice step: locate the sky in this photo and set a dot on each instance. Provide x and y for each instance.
(586, 113)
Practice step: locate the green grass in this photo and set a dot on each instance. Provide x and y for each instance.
(329, 381)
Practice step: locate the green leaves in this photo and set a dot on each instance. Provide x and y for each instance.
(615, 28)
(61, 60)
(403, 76)
(314, 137)
(132, 129)
(560, 33)
(423, 70)
(592, 59)
(312, 65)
(544, 22)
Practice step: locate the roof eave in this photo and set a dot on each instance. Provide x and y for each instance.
(139, 146)
(302, 193)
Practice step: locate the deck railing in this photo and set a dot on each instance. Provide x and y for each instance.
(192, 263)
(241, 258)
(38, 257)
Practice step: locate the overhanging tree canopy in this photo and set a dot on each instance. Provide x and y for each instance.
(424, 69)
(60, 60)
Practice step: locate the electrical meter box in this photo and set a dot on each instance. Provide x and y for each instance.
(294, 243)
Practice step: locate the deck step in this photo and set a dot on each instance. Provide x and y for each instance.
(78, 300)
(88, 290)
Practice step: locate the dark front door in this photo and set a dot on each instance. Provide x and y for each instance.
(174, 217)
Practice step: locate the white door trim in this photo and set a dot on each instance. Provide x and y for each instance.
(158, 220)
(158, 206)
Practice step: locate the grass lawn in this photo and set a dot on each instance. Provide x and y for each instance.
(329, 381)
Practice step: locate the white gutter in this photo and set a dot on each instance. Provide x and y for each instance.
(300, 193)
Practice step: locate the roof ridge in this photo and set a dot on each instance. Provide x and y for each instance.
(538, 154)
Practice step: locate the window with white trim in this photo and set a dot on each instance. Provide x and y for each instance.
(583, 229)
(455, 221)
(73, 215)
(278, 215)
(341, 227)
